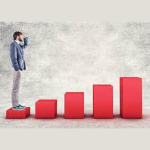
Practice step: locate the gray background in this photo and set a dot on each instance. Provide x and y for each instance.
(72, 56)
(75, 10)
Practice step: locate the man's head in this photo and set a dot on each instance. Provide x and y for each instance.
(18, 36)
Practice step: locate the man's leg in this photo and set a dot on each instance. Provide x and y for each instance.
(15, 89)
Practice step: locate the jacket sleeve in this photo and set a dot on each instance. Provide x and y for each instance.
(13, 56)
(25, 42)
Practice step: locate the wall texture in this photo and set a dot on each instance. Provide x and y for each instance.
(73, 56)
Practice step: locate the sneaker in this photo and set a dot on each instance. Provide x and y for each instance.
(19, 107)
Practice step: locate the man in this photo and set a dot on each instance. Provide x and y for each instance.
(18, 64)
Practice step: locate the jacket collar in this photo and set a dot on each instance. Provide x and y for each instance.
(17, 41)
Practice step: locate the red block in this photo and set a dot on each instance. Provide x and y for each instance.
(131, 97)
(74, 105)
(17, 114)
(102, 101)
(46, 109)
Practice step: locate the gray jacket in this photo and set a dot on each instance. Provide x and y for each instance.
(17, 54)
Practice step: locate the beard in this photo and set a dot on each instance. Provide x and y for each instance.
(20, 39)
(21, 43)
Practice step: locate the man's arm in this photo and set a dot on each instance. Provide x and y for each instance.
(13, 55)
(25, 42)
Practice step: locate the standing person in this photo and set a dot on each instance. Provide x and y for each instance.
(20, 42)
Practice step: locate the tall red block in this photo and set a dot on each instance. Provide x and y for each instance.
(17, 114)
(46, 109)
(74, 105)
(102, 101)
(131, 97)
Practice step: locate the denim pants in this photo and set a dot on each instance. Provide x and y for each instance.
(15, 88)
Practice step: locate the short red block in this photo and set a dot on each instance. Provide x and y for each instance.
(102, 101)
(46, 109)
(74, 105)
(17, 114)
(131, 97)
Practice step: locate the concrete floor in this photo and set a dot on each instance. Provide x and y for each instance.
(60, 122)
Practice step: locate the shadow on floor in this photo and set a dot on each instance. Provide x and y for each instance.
(61, 116)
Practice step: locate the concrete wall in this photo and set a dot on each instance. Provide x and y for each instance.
(73, 56)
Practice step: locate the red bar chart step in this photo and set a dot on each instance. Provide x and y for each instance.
(74, 105)
(102, 101)
(46, 109)
(17, 114)
(131, 97)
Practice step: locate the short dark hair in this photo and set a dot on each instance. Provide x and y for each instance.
(17, 33)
